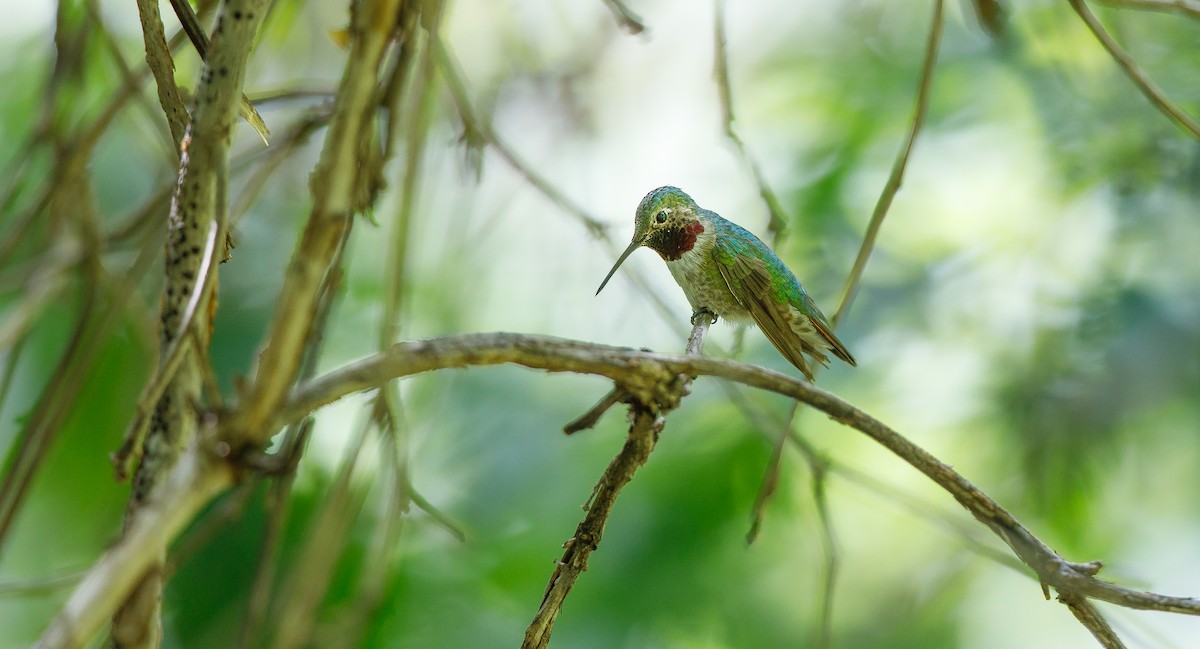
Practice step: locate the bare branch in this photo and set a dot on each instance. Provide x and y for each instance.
(628, 20)
(1134, 72)
(198, 217)
(177, 350)
(189, 486)
(195, 33)
(897, 176)
(779, 220)
(590, 418)
(648, 376)
(644, 373)
(307, 580)
(647, 420)
(1090, 618)
(334, 184)
(1188, 8)
(158, 56)
(478, 128)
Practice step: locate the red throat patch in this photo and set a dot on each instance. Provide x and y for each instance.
(671, 243)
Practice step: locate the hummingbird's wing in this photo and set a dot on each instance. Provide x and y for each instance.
(822, 327)
(792, 322)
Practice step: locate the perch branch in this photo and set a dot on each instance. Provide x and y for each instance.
(648, 376)
(644, 373)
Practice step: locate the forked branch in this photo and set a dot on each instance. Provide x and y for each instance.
(647, 376)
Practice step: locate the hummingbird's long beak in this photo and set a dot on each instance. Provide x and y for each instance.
(633, 245)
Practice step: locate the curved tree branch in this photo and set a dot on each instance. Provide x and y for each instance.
(644, 374)
(648, 376)
(1189, 8)
(1152, 92)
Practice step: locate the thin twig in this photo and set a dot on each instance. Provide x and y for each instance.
(479, 128)
(130, 78)
(832, 563)
(94, 323)
(779, 219)
(590, 418)
(309, 577)
(40, 585)
(379, 564)
(441, 518)
(628, 20)
(277, 506)
(1188, 8)
(820, 467)
(483, 128)
(894, 180)
(386, 409)
(943, 519)
(768, 484)
(1090, 618)
(77, 147)
(648, 419)
(1134, 72)
(817, 464)
(162, 65)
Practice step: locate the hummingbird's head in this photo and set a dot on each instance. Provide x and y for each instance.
(662, 210)
(667, 221)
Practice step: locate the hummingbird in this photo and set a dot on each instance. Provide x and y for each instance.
(726, 271)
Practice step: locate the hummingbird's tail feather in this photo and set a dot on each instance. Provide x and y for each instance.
(775, 325)
(835, 345)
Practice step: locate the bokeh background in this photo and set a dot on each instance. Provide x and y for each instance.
(1031, 316)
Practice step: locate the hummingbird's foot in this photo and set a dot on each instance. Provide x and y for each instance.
(703, 312)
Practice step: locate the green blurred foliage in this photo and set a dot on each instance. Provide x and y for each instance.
(1030, 316)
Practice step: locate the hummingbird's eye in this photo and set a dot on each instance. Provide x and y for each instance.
(661, 217)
